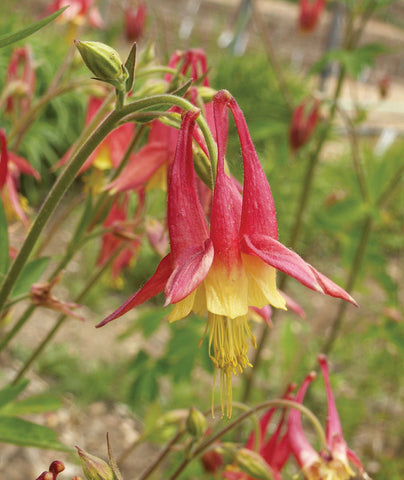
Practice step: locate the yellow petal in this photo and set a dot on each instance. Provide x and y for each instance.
(226, 291)
(182, 308)
(262, 283)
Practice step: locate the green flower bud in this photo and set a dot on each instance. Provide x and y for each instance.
(103, 61)
(253, 464)
(94, 468)
(196, 423)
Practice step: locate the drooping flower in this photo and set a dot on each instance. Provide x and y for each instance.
(303, 124)
(135, 19)
(332, 463)
(233, 266)
(309, 14)
(11, 167)
(110, 151)
(274, 449)
(20, 80)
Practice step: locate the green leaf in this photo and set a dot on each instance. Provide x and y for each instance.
(11, 392)
(27, 434)
(35, 404)
(4, 253)
(354, 61)
(8, 39)
(29, 275)
(130, 67)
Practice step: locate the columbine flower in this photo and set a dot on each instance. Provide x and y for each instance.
(309, 14)
(11, 167)
(148, 167)
(20, 80)
(303, 124)
(111, 150)
(135, 18)
(78, 13)
(232, 267)
(274, 450)
(332, 463)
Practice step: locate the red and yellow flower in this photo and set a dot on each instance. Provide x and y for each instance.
(224, 269)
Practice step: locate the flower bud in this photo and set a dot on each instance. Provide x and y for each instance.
(103, 61)
(45, 476)
(56, 467)
(94, 468)
(196, 423)
(253, 464)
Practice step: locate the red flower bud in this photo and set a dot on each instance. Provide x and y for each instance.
(309, 14)
(303, 124)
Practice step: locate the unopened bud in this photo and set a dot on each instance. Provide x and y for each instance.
(196, 423)
(103, 61)
(206, 93)
(253, 464)
(56, 467)
(93, 467)
(45, 476)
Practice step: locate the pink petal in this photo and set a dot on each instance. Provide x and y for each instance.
(141, 168)
(190, 269)
(151, 288)
(301, 448)
(23, 165)
(186, 221)
(274, 253)
(332, 289)
(3, 159)
(333, 428)
(258, 214)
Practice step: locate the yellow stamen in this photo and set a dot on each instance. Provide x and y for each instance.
(228, 349)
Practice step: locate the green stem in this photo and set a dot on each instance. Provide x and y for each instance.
(16, 328)
(282, 403)
(93, 280)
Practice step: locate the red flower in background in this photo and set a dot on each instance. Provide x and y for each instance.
(332, 463)
(78, 12)
(275, 449)
(121, 234)
(11, 167)
(309, 14)
(148, 167)
(111, 150)
(304, 122)
(20, 80)
(135, 19)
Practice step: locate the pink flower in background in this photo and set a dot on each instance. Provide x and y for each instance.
(303, 124)
(135, 19)
(11, 167)
(121, 235)
(148, 167)
(334, 462)
(77, 13)
(274, 449)
(111, 150)
(20, 80)
(309, 14)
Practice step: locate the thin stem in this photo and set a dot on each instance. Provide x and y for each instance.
(88, 286)
(17, 327)
(162, 455)
(282, 403)
(336, 323)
